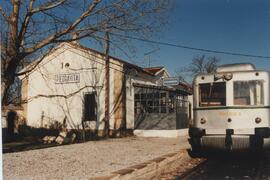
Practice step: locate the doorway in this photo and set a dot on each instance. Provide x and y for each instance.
(90, 107)
(11, 118)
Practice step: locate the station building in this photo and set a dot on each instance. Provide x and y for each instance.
(69, 86)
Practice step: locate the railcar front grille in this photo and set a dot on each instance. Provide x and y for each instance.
(218, 142)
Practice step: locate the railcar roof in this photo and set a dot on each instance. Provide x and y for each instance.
(235, 72)
(236, 67)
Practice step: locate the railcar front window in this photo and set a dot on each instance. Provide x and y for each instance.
(248, 92)
(212, 94)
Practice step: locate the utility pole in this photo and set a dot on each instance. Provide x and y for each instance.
(107, 85)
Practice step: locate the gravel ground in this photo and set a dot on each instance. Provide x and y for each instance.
(90, 159)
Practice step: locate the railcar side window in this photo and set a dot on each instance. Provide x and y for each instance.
(248, 92)
(212, 94)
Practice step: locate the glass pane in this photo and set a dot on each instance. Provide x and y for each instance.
(143, 96)
(248, 93)
(137, 96)
(212, 94)
(163, 95)
(163, 109)
(156, 95)
(150, 96)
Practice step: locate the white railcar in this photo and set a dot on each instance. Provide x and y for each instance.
(231, 109)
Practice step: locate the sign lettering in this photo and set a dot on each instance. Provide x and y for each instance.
(170, 81)
(67, 78)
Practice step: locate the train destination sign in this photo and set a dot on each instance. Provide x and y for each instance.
(67, 78)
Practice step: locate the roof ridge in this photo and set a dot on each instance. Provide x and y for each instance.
(103, 54)
(78, 45)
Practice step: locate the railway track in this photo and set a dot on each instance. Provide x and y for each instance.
(192, 172)
(248, 166)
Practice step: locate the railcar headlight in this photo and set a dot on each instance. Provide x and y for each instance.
(228, 76)
(258, 120)
(203, 120)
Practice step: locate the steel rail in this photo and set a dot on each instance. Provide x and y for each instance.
(189, 173)
(258, 170)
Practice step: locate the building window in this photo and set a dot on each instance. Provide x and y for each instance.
(154, 101)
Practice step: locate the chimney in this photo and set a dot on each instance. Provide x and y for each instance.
(75, 36)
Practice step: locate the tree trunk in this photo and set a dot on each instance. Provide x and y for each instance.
(13, 56)
(5, 85)
(8, 79)
(107, 87)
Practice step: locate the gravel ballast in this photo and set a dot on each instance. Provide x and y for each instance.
(86, 160)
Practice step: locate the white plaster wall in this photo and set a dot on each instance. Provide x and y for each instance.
(161, 133)
(41, 82)
(44, 110)
(190, 99)
(129, 103)
(141, 79)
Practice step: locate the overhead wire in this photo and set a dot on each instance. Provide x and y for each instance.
(190, 47)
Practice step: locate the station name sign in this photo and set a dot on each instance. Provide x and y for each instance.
(170, 81)
(67, 78)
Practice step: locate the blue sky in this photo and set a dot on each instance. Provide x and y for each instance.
(241, 26)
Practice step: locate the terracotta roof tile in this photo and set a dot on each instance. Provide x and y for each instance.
(153, 70)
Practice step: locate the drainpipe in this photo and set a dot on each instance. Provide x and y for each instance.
(107, 85)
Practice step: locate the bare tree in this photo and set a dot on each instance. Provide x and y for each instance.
(31, 27)
(199, 64)
(180, 74)
(202, 65)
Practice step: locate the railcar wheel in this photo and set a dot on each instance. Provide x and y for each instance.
(196, 150)
(256, 143)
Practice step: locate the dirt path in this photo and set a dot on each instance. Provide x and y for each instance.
(82, 161)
